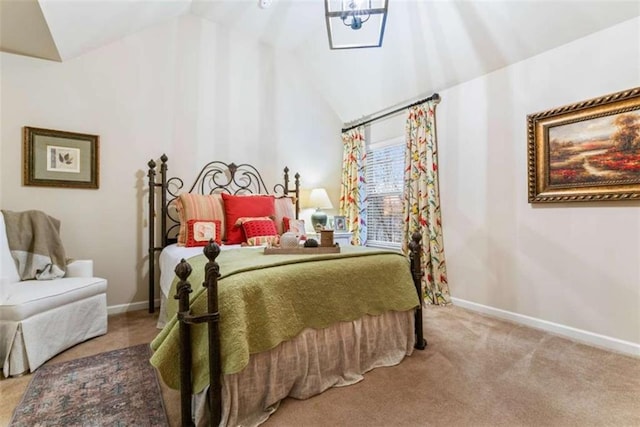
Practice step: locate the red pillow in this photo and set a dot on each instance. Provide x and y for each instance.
(260, 231)
(199, 231)
(244, 206)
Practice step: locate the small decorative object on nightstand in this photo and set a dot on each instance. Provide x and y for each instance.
(326, 238)
(311, 243)
(340, 223)
(289, 240)
(342, 238)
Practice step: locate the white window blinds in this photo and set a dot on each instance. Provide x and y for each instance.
(384, 182)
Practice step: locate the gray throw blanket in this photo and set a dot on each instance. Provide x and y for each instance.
(35, 244)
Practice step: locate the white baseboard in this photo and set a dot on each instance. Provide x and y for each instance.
(626, 347)
(133, 306)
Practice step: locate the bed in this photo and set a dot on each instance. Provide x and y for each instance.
(264, 327)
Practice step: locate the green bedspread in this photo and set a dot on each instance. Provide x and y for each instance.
(267, 299)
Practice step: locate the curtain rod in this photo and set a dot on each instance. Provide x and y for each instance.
(435, 97)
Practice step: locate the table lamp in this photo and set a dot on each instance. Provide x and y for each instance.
(319, 199)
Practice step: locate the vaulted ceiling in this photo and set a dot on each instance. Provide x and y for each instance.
(429, 45)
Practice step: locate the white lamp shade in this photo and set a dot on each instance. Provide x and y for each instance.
(318, 198)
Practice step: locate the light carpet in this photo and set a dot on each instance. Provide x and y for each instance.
(479, 371)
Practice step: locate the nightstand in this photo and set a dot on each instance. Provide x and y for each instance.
(343, 238)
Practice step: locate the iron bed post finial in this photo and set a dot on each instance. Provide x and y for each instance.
(232, 171)
(183, 271)
(415, 255)
(211, 251)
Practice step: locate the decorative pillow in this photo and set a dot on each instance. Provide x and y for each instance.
(243, 219)
(244, 206)
(199, 232)
(201, 207)
(260, 231)
(296, 226)
(285, 207)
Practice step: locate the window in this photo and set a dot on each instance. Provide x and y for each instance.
(385, 176)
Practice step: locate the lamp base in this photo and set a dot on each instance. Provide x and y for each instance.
(318, 219)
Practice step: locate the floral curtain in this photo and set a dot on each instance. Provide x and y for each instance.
(352, 192)
(422, 200)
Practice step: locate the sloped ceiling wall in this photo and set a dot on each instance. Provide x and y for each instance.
(428, 46)
(434, 45)
(24, 31)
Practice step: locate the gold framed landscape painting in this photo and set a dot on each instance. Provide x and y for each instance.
(54, 158)
(588, 151)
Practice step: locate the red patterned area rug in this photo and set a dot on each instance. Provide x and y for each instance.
(116, 388)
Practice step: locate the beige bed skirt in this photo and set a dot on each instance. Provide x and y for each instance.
(309, 364)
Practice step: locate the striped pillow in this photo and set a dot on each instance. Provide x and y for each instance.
(201, 207)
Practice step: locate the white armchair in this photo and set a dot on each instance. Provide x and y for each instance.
(39, 319)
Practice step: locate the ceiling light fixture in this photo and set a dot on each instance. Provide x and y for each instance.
(345, 23)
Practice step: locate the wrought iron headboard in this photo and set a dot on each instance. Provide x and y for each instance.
(215, 177)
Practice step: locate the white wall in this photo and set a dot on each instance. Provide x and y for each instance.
(573, 264)
(186, 88)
